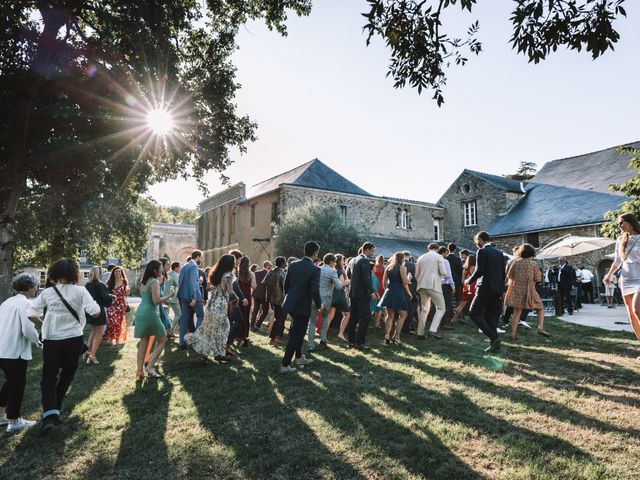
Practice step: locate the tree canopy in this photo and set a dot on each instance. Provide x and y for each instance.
(630, 188)
(320, 223)
(526, 171)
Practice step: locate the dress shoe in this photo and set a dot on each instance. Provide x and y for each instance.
(323, 345)
(363, 347)
(494, 346)
(420, 337)
(434, 335)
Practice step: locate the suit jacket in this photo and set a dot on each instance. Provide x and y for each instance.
(188, 288)
(361, 286)
(328, 281)
(411, 269)
(567, 277)
(456, 269)
(301, 287)
(101, 295)
(274, 285)
(430, 268)
(490, 270)
(260, 292)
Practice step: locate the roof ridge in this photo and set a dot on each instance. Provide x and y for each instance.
(287, 171)
(534, 184)
(637, 143)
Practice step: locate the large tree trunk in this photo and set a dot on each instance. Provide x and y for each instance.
(10, 193)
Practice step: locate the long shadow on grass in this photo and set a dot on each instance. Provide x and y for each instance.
(436, 459)
(45, 457)
(143, 451)
(238, 404)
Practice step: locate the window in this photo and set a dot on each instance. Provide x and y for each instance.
(470, 218)
(253, 215)
(85, 275)
(43, 278)
(343, 213)
(275, 212)
(403, 219)
(436, 229)
(533, 239)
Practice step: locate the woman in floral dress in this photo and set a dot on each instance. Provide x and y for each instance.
(117, 284)
(209, 340)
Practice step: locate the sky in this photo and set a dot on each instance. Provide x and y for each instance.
(321, 93)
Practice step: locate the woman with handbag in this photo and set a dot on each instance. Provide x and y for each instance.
(62, 338)
(116, 333)
(101, 295)
(628, 262)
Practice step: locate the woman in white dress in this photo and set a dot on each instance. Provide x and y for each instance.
(628, 262)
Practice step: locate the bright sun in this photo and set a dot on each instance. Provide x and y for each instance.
(160, 121)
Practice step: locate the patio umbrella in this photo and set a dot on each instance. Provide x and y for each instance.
(573, 245)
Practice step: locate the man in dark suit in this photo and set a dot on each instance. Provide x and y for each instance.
(456, 270)
(566, 281)
(301, 288)
(361, 293)
(490, 270)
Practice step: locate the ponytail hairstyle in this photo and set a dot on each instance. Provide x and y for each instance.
(631, 219)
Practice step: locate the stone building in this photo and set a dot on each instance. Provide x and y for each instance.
(174, 241)
(243, 218)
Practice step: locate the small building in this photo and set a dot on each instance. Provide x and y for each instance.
(243, 218)
(174, 241)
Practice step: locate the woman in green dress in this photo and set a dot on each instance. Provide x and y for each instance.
(147, 319)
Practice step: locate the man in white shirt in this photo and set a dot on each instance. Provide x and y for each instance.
(328, 282)
(17, 335)
(430, 268)
(586, 284)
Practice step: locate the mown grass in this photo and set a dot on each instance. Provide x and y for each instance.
(558, 408)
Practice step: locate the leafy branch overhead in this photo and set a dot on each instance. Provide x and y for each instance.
(631, 188)
(422, 52)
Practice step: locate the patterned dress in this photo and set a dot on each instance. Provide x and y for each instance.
(209, 340)
(116, 317)
(521, 292)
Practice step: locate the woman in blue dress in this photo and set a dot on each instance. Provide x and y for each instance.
(395, 297)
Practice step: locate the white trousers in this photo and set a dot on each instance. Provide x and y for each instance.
(426, 297)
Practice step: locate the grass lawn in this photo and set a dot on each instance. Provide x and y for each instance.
(558, 408)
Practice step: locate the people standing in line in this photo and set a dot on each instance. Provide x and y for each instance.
(455, 265)
(274, 286)
(627, 261)
(210, 339)
(246, 283)
(188, 295)
(394, 298)
(340, 303)
(174, 303)
(148, 322)
(489, 275)
(259, 294)
(118, 285)
(329, 281)
(361, 292)
(468, 291)
(586, 285)
(62, 335)
(17, 335)
(566, 282)
(378, 271)
(524, 274)
(413, 301)
(430, 268)
(302, 288)
(101, 295)
(609, 289)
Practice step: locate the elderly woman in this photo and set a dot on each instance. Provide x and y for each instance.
(17, 334)
(62, 337)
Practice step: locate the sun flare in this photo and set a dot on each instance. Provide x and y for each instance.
(160, 121)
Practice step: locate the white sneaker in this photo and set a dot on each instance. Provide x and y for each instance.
(499, 330)
(4, 420)
(287, 369)
(20, 424)
(303, 361)
(525, 324)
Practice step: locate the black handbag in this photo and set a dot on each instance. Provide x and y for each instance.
(85, 348)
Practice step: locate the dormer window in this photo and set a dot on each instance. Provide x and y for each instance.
(403, 219)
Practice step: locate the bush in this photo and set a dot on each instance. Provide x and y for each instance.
(320, 223)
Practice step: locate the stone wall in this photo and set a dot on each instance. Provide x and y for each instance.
(490, 202)
(173, 241)
(376, 215)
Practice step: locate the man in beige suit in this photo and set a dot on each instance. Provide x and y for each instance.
(430, 268)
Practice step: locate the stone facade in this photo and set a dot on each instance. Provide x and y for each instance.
(490, 201)
(175, 241)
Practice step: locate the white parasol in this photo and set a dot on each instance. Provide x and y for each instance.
(573, 245)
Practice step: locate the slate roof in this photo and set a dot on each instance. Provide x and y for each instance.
(388, 246)
(313, 174)
(499, 182)
(548, 207)
(592, 171)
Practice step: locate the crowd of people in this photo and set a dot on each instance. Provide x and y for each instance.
(216, 309)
